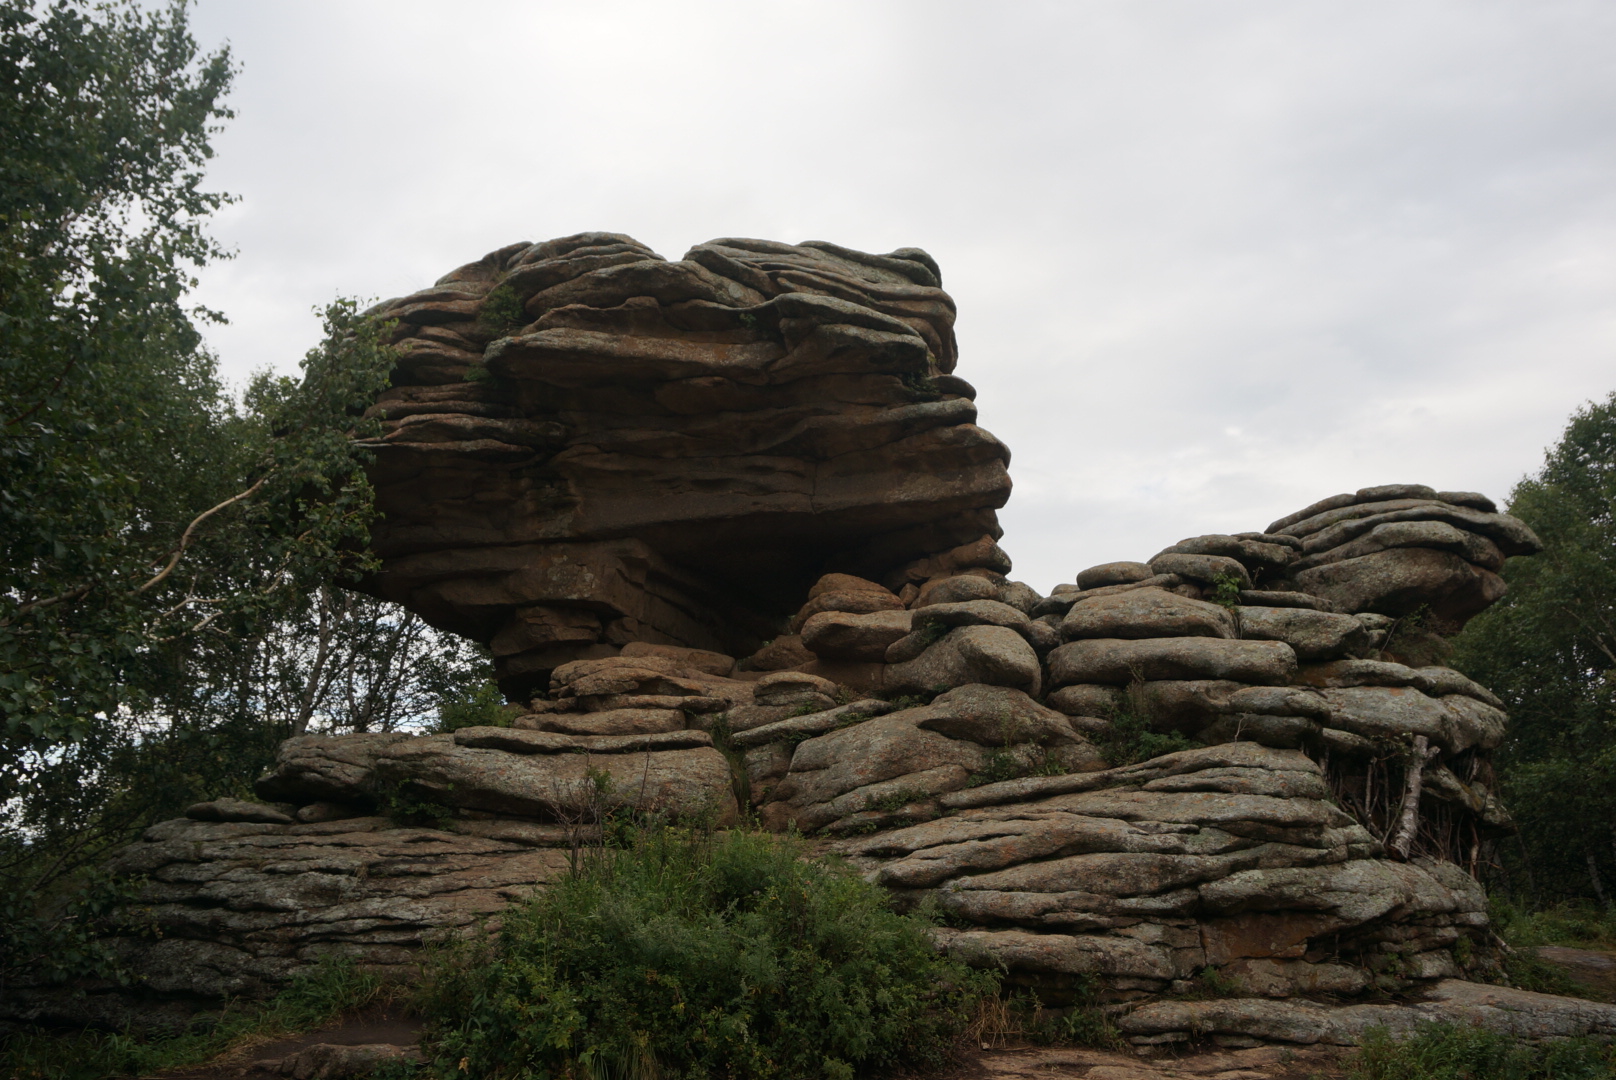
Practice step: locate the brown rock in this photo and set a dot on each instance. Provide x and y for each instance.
(670, 450)
(1401, 580)
(1110, 660)
(1146, 613)
(710, 663)
(837, 635)
(1113, 573)
(781, 654)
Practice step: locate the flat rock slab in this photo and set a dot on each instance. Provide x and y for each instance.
(1520, 1013)
(1593, 968)
(1074, 1063)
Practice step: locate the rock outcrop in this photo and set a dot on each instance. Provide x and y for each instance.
(1242, 755)
(588, 445)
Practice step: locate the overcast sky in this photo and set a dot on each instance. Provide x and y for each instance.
(1214, 259)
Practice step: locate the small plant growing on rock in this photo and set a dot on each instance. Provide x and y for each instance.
(1226, 591)
(1130, 739)
(501, 311)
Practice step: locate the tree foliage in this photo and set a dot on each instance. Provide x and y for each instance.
(1549, 650)
(167, 550)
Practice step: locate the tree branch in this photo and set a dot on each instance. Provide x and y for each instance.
(190, 530)
(51, 601)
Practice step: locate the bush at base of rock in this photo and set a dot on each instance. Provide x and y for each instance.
(690, 956)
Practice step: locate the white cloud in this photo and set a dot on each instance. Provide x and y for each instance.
(1213, 261)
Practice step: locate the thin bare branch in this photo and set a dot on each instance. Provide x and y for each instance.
(190, 531)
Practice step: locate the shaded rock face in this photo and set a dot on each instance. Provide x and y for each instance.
(588, 445)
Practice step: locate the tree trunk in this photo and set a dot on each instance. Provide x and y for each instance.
(1408, 820)
(1593, 876)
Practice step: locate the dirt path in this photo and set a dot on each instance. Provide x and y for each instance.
(304, 1058)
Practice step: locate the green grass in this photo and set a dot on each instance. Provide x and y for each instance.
(691, 955)
(1579, 926)
(1447, 1051)
(1576, 926)
(310, 1001)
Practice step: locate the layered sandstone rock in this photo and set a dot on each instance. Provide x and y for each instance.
(588, 445)
(727, 525)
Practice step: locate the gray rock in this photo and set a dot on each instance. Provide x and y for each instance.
(1511, 535)
(1146, 613)
(1041, 636)
(1021, 596)
(517, 741)
(317, 812)
(1113, 573)
(1281, 598)
(1472, 547)
(1087, 699)
(837, 635)
(956, 590)
(1057, 954)
(855, 758)
(239, 909)
(1475, 723)
(998, 716)
(1314, 635)
(995, 655)
(796, 728)
(340, 1061)
(1253, 554)
(1065, 596)
(1202, 568)
(326, 768)
(859, 602)
(1361, 672)
(792, 688)
(237, 810)
(969, 613)
(1475, 500)
(1392, 713)
(681, 783)
(1519, 1013)
(610, 722)
(1289, 732)
(1110, 660)
(1442, 681)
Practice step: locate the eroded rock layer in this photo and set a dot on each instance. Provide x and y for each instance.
(588, 445)
(1243, 756)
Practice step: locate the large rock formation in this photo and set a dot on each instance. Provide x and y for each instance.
(1243, 754)
(588, 445)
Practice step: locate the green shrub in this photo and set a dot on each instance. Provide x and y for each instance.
(1446, 1051)
(1226, 591)
(480, 706)
(1581, 926)
(1130, 740)
(311, 1000)
(688, 956)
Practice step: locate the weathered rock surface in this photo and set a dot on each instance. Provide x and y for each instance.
(1521, 1013)
(238, 908)
(587, 445)
(729, 524)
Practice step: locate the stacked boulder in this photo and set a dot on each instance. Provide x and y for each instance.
(587, 445)
(622, 474)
